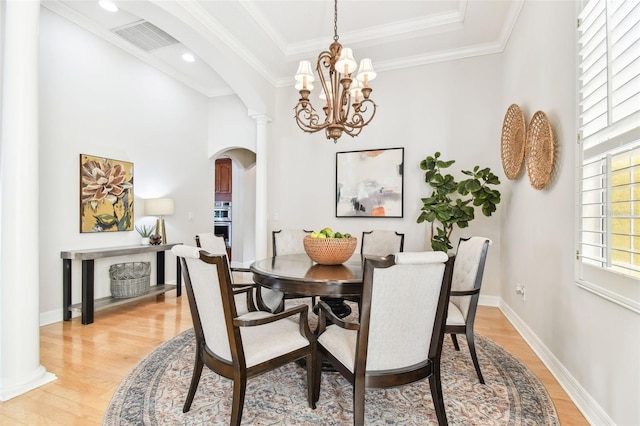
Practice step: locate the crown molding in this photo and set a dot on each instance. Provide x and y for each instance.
(217, 29)
(398, 30)
(216, 32)
(426, 59)
(491, 48)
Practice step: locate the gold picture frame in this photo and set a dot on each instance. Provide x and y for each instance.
(106, 194)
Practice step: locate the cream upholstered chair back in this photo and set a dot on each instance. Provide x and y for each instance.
(468, 270)
(398, 339)
(381, 243)
(203, 285)
(288, 241)
(404, 298)
(212, 243)
(234, 346)
(215, 244)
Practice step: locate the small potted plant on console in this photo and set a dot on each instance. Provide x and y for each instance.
(145, 232)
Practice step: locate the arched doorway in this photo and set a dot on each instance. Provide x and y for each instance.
(237, 193)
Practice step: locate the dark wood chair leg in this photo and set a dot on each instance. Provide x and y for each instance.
(436, 395)
(454, 339)
(317, 380)
(195, 379)
(237, 404)
(311, 378)
(474, 357)
(358, 403)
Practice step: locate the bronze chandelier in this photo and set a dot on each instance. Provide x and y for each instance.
(348, 107)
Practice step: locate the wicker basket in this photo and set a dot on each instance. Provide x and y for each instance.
(329, 251)
(129, 279)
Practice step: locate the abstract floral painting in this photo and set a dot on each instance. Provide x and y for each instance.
(106, 194)
(369, 183)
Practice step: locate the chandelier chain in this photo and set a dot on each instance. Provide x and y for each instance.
(335, 21)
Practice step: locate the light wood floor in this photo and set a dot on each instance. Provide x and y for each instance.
(90, 361)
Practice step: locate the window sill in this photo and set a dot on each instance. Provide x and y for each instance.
(609, 295)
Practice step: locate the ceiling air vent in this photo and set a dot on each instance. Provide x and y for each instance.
(145, 35)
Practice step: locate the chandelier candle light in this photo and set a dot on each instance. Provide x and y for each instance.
(348, 107)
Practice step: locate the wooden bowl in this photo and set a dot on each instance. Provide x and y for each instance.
(329, 251)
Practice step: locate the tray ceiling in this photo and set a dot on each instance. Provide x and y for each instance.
(272, 36)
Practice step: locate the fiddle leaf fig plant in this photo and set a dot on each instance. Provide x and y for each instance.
(453, 203)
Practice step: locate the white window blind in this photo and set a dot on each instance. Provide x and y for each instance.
(608, 252)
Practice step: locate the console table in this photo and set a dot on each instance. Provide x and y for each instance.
(89, 305)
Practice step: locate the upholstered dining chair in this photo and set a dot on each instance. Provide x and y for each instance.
(381, 242)
(290, 241)
(265, 299)
(468, 269)
(398, 338)
(234, 346)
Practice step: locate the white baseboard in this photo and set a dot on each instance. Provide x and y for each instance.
(51, 317)
(489, 301)
(591, 410)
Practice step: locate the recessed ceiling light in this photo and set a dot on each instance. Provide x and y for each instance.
(108, 5)
(188, 57)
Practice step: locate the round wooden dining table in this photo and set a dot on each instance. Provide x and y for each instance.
(298, 275)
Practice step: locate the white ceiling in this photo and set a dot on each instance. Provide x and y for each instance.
(272, 36)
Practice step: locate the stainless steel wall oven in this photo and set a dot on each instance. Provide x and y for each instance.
(222, 211)
(222, 220)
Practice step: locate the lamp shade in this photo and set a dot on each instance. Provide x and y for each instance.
(366, 72)
(346, 64)
(158, 206)
(355, 88)
(304, 70)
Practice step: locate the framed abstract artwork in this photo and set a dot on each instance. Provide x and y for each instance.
(370, 183)
(106, 194)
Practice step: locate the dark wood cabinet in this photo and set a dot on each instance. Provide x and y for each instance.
(223, 179)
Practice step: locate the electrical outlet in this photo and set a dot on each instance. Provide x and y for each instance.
(520, 290)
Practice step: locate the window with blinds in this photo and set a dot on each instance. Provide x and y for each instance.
(608, 252)
(611, 212)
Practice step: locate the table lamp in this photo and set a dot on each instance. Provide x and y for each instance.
(159, 207)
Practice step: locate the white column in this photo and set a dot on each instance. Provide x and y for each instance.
(20, 369)
(261, 185)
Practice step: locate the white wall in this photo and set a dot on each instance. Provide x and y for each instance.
(96, 99)
(230, 125)
(449, 107)
(595, 340)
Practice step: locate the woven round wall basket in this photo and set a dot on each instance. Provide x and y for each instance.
(329, 251)
(512, 144)
(540, 150)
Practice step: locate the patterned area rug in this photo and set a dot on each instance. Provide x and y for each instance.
(154, 391)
